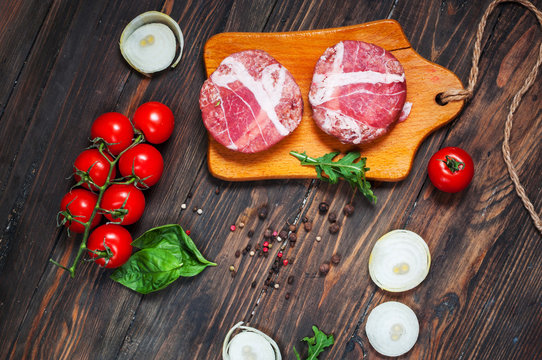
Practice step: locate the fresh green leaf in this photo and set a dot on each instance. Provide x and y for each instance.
(347, 168)
(317, 344)
(166, 253)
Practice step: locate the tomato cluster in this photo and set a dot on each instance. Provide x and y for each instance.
(120, 200)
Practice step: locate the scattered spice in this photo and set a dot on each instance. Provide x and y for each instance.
(237, 253)
(217, 191)
(260, 253)
(275, 234)
(188, 232)
(265, 243)
(233, 273)
(232, 228)
(287, 296)
(279, 255)
(200, 211)
(195, 209)
(348, 209)
(262, 212)
(318, 238)
(292, 237)
(276, 286)
(265, 250)
(305, 219)
(324, 269)
(285, 262)
(253, 285)
(244, 252)
(183, 206)
(250, 233)
(232, 268)
(241, 225)
(332, 217)
(336, 258)
(272, 283)
(248, 247)
(292, 228)
(323, 207)
(291, 279)
(267, 233)
(270, 246)
(189, 195)
(334, 228)
(307, 225)
(283, 234)
(252, 253)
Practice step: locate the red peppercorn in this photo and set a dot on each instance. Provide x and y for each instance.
(188, 232)
(285, 262)
(279, 254)
(265, 244)
(232, 228)
(275, 234)
(265, 249)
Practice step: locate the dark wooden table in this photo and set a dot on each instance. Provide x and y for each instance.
(61, 68)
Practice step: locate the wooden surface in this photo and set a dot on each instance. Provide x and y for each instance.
(389, 158)
(61, 68)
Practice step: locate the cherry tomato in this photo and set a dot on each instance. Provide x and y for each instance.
(450, 169)
(143, 161)
(116, 238)
(128, 199)
(115, 129)
(155, 120)
(96, 165)
(79, 204)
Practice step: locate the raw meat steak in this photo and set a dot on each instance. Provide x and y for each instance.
(250, 102)
(358, 91)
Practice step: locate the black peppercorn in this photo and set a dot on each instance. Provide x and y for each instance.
(292, 237)
(262, 212)
(348, 209)
(248, 247)
(250, 233)
(287, 296)
(332, 217)
(217, 191)
(336, 258)
(334, 228)
(237, 253)
(308, 225)
(267, 233)
(324, 269)
(290, 279)
(253, 285)
(323, 207)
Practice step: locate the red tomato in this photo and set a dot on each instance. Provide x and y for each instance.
(96, 165)
(128, 199)
(143, 161)
(78, 204)
(115, 129)
(155, 120)
(116, 238)
(451, 169)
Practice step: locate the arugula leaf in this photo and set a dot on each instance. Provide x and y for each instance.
(317, 344)
(346, 168)
(166, 254)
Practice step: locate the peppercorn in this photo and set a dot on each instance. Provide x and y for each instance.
(308, 225)
(244, 252)
(276, 286)
(287, 296)
(292, 243)
(265, 250)
(195, 209)
(248, 247)
(275, 234)
(265, 243)
(290, 279)
(241, 225)
(232, 227)
(272, 283)
(348, 209)
(283, 234)
(267, 233)
(189, 195)
(232, 268)
(279, 255)
(323, 207)
(292, 228)
(237, 253)
(253, 285)
(233, 273)
(284, 262)
(252, 253)
(292, 237)
(332, 217)
(250, 233)
(324, 269)
(336, 258)
(217, 191)
(334, 228)
(262, 212)
(318, 238)
(305, 219)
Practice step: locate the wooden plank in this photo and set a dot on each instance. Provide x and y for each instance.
(471, 305)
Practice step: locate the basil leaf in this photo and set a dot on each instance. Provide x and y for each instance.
(167, 253)
(148, 270)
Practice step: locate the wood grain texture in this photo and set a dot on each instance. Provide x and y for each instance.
(389, 158)
(481, 300)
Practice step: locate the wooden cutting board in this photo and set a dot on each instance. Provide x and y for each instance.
(389, 158)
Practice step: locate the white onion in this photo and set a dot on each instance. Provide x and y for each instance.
(392, 328)
(149, 42)
(399, 261)
(249, 344)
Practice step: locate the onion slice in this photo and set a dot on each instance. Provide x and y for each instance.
(399, 261)
(392, 328)
(249, 344)
(150, 41)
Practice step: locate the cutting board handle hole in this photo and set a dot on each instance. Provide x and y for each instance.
(438, 99)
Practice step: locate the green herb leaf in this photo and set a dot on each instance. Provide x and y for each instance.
(317, 344)
(347, 168)
(167, 253)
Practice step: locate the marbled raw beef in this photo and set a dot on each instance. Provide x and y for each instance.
(358, 91)
(250, 102)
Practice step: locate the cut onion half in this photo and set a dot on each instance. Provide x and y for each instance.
(249, 344)
(150, 41)
(399, 261)
(392, 328)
